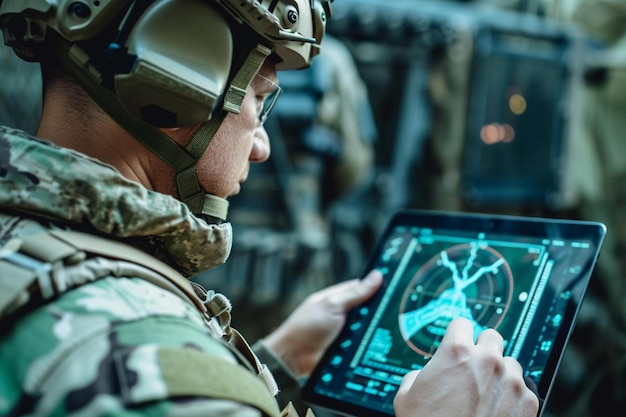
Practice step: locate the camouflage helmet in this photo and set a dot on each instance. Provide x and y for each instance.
(168, 63)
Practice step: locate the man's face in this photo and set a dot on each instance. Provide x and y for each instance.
(240, 140)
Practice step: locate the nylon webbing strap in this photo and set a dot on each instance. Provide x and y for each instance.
(30, 266)
(203, 136)
(187, 180)
(217, 379)
(77, 62)
(118, 250)
(215, 206)
(38, 253)
(241, 345)
(237, 89)
(16, 280)
(196, 199)
(189, 188)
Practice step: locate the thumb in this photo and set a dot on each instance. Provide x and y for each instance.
(353, 292)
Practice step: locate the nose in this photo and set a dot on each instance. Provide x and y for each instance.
(260, 151)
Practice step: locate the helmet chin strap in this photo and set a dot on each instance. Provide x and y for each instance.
(189, 188)
(182, 159)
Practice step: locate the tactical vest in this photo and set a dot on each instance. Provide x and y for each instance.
(53, 262)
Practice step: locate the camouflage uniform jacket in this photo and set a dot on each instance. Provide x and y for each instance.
(118, 345)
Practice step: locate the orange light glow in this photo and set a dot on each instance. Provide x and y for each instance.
(496, 132)
(517, 104)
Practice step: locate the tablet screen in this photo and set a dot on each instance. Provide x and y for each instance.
(525, 277)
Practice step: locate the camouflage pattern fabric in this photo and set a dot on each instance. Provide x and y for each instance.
(116, 346)
(96, 197)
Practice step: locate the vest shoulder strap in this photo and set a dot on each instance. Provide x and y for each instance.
(37, 256)
(219, 379)
(118, 250)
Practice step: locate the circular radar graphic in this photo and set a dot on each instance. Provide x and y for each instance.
(470, 280)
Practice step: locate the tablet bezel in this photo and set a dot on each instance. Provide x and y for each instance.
(533, 227)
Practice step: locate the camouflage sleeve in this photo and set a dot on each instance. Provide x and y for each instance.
(289, 395)
(287, 382)
(118, 345)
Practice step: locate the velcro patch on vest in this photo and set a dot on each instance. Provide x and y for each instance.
(156, 372)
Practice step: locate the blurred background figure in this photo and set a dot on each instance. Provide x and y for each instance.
(593, 376)
(290, 238)
(20, 92)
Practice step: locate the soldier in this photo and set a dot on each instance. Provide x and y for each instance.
(152, 113)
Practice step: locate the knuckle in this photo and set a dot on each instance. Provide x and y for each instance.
(532, 402)
(493, 361)
(458, 349)
(526, 399)
(530, 398)
(516, 385)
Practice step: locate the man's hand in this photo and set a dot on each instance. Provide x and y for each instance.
(302, 339)
(464, 379)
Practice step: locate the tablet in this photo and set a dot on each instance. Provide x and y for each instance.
(525, 277)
